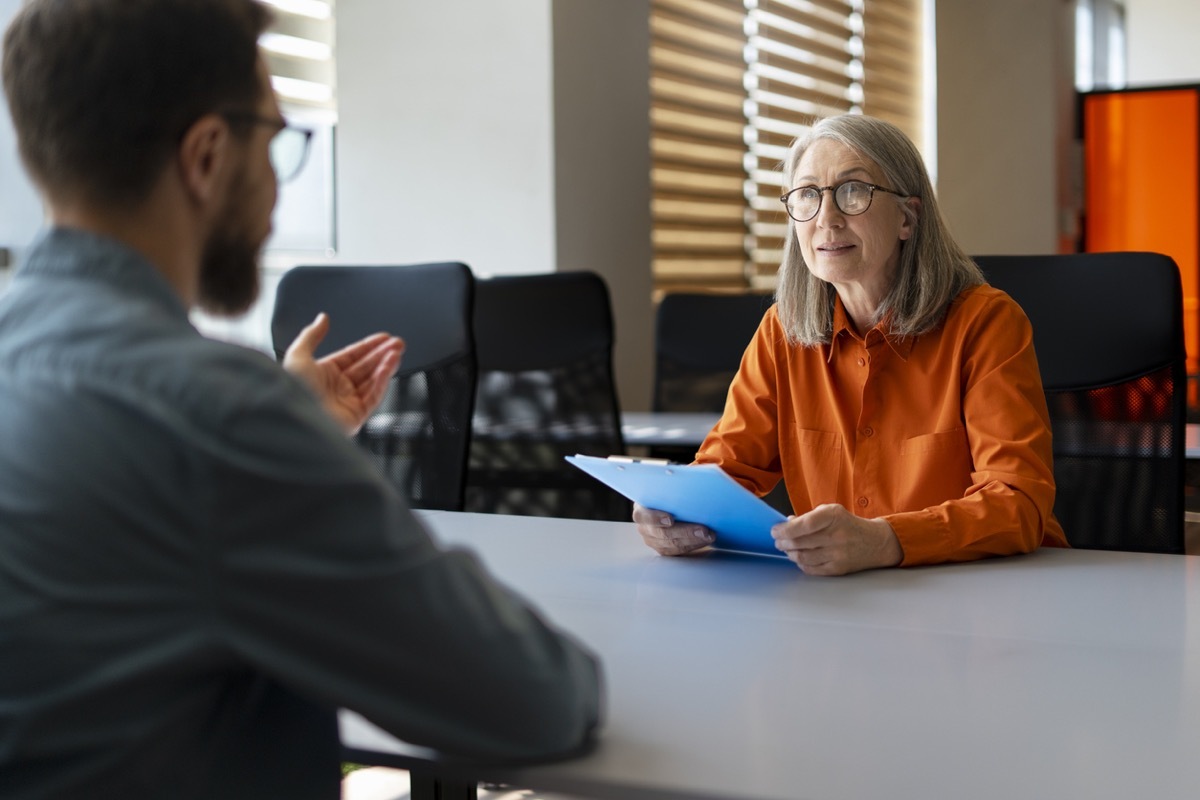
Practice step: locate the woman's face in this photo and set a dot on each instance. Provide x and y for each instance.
(857, 254)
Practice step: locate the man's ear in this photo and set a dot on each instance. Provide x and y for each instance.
(202, 155)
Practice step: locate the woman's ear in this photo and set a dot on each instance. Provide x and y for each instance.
(201, 156)
(911, 215)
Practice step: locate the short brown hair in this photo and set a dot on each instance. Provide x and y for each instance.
(101, 91)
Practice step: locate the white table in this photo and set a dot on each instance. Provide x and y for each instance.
(654, 429)
(1065, 674)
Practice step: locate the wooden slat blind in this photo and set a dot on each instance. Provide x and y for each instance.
(697, 121)
(733, 82)
(892, 63)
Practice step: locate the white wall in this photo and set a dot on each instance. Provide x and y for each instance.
(512, 136)
(445, 135)
(1163, 41)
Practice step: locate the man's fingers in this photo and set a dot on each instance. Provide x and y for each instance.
(311, 335)
(357, 356)
(368, 365)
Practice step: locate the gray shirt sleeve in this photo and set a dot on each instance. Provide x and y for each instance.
(320, 576)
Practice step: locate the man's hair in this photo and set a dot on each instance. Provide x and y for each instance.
(933, 269)
(102, 91)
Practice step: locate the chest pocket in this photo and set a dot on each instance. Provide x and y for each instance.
(934, 468)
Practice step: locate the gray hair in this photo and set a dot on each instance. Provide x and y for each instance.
(933, 269)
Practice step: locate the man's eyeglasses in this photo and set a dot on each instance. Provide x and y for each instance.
(852, 198)
(289, 145)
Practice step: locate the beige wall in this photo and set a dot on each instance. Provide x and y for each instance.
(1004, 75)
(602, 167)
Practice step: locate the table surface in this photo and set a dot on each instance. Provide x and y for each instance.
(1058, 674)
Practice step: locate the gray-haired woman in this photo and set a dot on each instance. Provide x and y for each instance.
(895, 393)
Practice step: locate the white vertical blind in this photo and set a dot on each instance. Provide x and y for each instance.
(804, 61)
(299, 48)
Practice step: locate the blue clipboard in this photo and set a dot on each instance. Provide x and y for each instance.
(700, 493)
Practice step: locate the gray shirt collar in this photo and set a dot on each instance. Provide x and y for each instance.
(74, 253)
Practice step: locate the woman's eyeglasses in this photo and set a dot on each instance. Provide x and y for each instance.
(852, 198)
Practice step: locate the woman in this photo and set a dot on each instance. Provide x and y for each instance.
(896, 394)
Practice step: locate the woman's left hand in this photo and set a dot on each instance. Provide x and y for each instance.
(351, 382)
(829, 540)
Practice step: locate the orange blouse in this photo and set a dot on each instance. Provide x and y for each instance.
(945, 435)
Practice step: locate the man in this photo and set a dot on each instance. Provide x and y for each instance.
(196, 567)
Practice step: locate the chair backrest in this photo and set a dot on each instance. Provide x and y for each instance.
(420, 433)
(546, 390)
(699, 342)
(1108, 330)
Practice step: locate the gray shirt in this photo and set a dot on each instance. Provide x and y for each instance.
(197, 568)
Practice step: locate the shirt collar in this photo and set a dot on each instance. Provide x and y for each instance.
(901, 345)
(70, 252)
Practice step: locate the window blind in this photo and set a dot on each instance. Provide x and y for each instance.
(697, 126)
(803, 62)
(733, 82)
(299, 49)
(892, 63)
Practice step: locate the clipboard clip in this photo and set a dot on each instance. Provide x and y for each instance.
(662, 462)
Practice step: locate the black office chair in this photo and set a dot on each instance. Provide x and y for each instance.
(699, 341)
(546, 390)
(421, 431)
(1108, 329)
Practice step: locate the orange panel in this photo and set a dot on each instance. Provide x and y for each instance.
(1142, 175)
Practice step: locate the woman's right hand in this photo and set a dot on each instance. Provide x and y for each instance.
(666, 536)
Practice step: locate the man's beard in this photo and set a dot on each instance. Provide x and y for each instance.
(229, 280)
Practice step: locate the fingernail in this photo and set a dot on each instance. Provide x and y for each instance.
(665, 522)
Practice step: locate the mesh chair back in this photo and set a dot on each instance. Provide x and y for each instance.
(546, 390)
(1108, 330)
(699, 342)
(420, 433)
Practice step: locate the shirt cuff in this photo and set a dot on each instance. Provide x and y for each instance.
(924, 537)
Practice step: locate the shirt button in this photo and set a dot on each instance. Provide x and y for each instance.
(868, 431)
(862, 362)
(862, 502)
